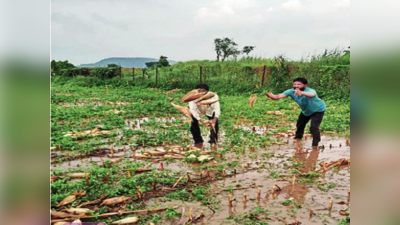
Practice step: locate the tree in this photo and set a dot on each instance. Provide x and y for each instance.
(225, 47)
(162, 62)
(56, 66)
(247, 49)
(112, 65)
(151, 64)
(218, 44)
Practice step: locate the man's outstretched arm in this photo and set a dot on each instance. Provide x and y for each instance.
(297, 92)
(275, 97)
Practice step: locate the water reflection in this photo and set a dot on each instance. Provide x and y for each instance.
(307, 162)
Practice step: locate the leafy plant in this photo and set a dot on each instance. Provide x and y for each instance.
(171, 213)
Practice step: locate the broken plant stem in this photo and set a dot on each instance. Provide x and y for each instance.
(139, 192)
(211, 209)
(230, 199)
(182, 221)
(348, 195)
(190, 215)
(129, 212)
(177, 182)
(267, 196)
(201, 215)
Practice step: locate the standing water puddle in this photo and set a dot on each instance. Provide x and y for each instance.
(293, 201)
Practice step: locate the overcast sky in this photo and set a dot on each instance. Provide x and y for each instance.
(86, 31)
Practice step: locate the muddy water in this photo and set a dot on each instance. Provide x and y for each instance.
(261, 175)
(175, 165)
(306, 195)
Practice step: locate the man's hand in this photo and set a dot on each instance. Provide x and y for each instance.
(214, 121)
(206, 123)
(298, 92)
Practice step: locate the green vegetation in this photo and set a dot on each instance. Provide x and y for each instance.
(328, 73)
(344, 221)
(171, 213)
(252, 218)
(287, 202)
(326, 187)
(274, 174)
(197, 194)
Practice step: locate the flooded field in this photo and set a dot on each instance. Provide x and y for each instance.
(303, 199)
(114, 157)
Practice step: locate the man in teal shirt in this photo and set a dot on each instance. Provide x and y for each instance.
(312, 108)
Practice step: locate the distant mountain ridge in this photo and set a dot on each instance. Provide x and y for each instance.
(137, 62)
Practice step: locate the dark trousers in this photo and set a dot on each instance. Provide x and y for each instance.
(195, 130)
(316, 119)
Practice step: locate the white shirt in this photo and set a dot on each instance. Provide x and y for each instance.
(200, 110)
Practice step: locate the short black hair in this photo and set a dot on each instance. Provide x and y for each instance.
(203, 86)
(302, 80)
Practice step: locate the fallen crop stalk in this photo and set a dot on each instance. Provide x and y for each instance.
(211, 209)
(177, 182)
(92, 202)
(61, 220)
(130, 212)
(182, 220)
(138, 170)
(197, 218)
(326, 166)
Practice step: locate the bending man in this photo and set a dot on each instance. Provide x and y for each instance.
(212, 112)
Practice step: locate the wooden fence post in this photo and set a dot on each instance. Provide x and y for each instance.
(201, 75)
(157, 76)
(263, 76)
(133, 73)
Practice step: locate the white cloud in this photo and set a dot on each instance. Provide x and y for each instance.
(237, 3)
(87, 31)
(342, 3)
(229, 13)
(293, 5)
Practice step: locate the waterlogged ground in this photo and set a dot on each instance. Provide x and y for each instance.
(299, 197)
(136, 145)
(263, 169)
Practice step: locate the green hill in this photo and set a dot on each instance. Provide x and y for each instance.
(137, 62)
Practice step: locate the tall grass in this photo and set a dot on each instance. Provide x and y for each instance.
(337, 56)
(328, 72)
